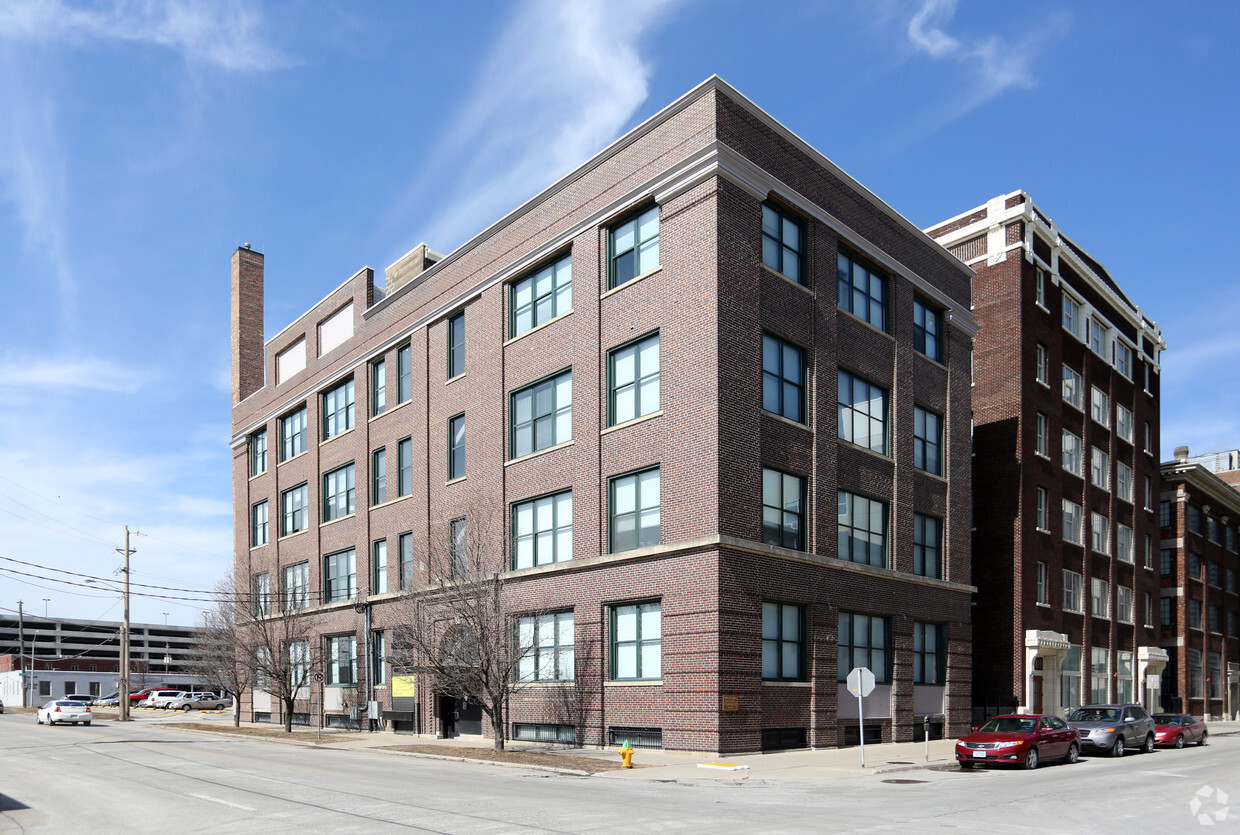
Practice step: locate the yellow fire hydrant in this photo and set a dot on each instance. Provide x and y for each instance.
(626, 754)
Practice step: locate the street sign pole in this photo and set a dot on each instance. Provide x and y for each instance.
(861, 682)
(861, 725)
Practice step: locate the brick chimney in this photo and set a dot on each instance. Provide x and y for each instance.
(247, 322)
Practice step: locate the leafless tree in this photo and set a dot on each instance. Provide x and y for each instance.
(280, 647)
(572, 700)
(220, 657)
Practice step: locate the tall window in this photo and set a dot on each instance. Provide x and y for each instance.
(1039, 439)
(459, 557)
(1149, 610)
(927, 545)
(1123, 359)
(1099, 598)
(258, 452)
(1073, 592)
(1073, 388)
(634, 247)
(296, 586)
(341, 666)
(456, 345)
(862, 413)
(1072, 459)
(637, 642)
(338, 493)
(1099, 406)
(1072, 321)
(862, 529)
(1123, 543)
(783, 642)
(298, 661)
(1164, 514)
(864, 641)
(634, 380)
(293, 434)
(635, 511)
(1123, 481)
(378, 566)
(1099, 468)
(783, 378)
(1097, 336)
(1043, 522)
(1042, 368)
(1149, 438)
(262, 595)
(542, 530)
(1164, 611)
(541, 296)
(404, 373)
(1043, 590)
(340, 576)
(258, 524)
(1194, 614)
(542, 415)
(1123, 422)
(293, 510)
(1039, 287)
(1099, 681)
(378, 387)
(1099, 533)
(782, 243)
(404, 546)
(378, 656)
(863, 292)
(783, 509)
(1216, 675)
(927, 441)
(926, 329)
(456, 447)
(929, 653)
(404, 467)
(1070, 677)
(338, 409)
(378, 476)
(547, 647)
(1072, 523)
(1123, 604)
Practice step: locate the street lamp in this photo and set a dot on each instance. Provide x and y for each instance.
(46, 600)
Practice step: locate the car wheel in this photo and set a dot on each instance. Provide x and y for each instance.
(1148, 747)
(1031, 759)
(87, 724)
(1179, 741)
(1074, 754)
(1202, 741)
(185, 708)
(1117, 750)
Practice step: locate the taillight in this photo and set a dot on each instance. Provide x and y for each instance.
(88, 710)
(58, 708)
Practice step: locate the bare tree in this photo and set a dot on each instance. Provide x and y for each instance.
(220, 656)
(572, 700)
(282, 653)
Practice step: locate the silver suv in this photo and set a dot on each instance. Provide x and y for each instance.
(1109, 729)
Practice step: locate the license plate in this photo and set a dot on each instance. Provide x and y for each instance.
(980, 754)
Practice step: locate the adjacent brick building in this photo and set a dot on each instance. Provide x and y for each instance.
(1065, 474)
(717, 396)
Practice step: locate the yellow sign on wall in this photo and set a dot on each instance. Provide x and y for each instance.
(404, 687)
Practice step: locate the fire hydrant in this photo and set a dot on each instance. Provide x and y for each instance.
(626, 754)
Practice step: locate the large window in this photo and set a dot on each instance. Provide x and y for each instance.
(864, 641)
(258, 524)
(1123, 604)
(1099, 598)
(927, 545)
(338, 409)
(863, 292)
(1099, 681)
(293, 510)
(862, 413)
(341, 666)
(1123, 481)
(1099, 406)
(542, 530)
(782, 243)
(862, 529)
(1099, 468)
(340, 576)
(456, 447)
(456, 345)
(1072, 523)
(542, 415)
(298, 662)
(1073, 388)
(1123, 422)
(783, 509)
(1123, 543)
(296, 586)
(927, 327)
(547, 647)
(1099, 533)
(378, 476)
(637, 642)
(404, 547)
(1195, 674)
(783, 378)
(634, 247)
(783, 642)
(634, 513)
(404, 373)
(927, 441)
(929, 653)
(293, 434)
(1073, 462)
(1070, 678)
(378, 567)
(404, 467)
(258, 452)
(634, 380)
(338, 493)
(1073, 592)
(262, 595)
(541, 296)
(378, 387)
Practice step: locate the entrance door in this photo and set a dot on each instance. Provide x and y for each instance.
(1036, 696)
(468, 718)
(447, 717)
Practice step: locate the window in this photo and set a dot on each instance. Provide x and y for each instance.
(1072, 592)
(404, 373)
(1042, 368)
(1099, 533)
(293, 434)
(1164, 611)
(929, 653)
(459, 556)
(404, 547)
(783, 378)
(296, 586)
(1149, 552)
(1149, 493)
(1231, 532)
(1123, 359)
(863, 642)
(1072, 321)
(298, 662)
(1194, 565)
(1043, 592)
(1212, 529)
(1123, 481)
(1042, 522)
(1233, 625)
(862, 530)
(1123, 676)
(1098, 336)
(404, 467)
(927, 545)
(635, 511)
(1039, 287)
(1072, 460)
(1039, 439)
(1194, 519)
(634, 247)
(290, 361)
(341, 666)
(378, 476)
(1231, 580)
(862, 413)
(1166, 562)
(1099, 468)
(783, 509)
(338, 493)
(1123, 604)
(340, 576)
(926, 329)
(782, 243)
(1164, 514)
(1123, 422)
(258, 524)
(547, 648)
(1073, 388)
(927, 441)
(1099, 406)
(1123, 543)
(335, 329)
(634, 376)
(258, 452)
(378, 656)
(541, 296)
(262, 595)
(1149, 610)
(1099, 681)
(1072, 523)
(637, 642)
(863, 292)
(1099, 598)
(1214, 618)
(542, 530)
(1216, 675)
(542, 415)
(294, 510)
(456, 345)
(378, 567)
(783, 642)
(378, 387)
(1194, 674)
(456, 447)
(338, 410)
(1149, 438)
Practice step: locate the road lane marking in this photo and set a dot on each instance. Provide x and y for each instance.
(224, 802)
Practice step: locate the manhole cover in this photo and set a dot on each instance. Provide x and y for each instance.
(905, 782)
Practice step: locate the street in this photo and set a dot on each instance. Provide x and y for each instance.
(145, 778)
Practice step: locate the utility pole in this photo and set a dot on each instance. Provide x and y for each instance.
(21, 652)
(123, 689)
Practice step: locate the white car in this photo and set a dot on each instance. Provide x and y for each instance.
(57, 711)
(159, 698)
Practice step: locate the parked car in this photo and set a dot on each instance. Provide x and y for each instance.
(1019, 739)
(1178, 729)
(160, 698)
(84, 698)
(108, 701)
(197, 701)
(142, 695)
(63, 710)
(1109, 729)
(1, 707)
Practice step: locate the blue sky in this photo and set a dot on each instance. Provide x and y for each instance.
(141, 142)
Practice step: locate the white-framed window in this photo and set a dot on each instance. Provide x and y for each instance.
(1149, 438)
(1123, 543)
(1099, 533)
(1123, 481)
(262, 594)
(1042, 522)
(1041, 368)
(1123, 359)
(1123, 604)
(1072, 592)
(1123, 422)
(1072, 522)
(1099, 468)
(296, 586)
(335, 329)
(1099, 406)
(291, 360)
(1073, 388)
(1099, 680)
(1099, 336)
(547, 646)
(1099, 598)
(637, 642)
(1070, 678)
(1073, 461)
(1073, 322)
(1043, 592)
(258, 452)
(1039, 440)
(1039, 287)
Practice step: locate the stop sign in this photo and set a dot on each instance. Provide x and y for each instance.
(861, 681)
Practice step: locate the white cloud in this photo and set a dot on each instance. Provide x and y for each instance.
(67, 374)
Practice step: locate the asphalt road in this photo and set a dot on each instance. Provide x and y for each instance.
(141, 778)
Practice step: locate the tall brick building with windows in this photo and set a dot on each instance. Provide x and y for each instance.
(1065, 474)
(717, 395)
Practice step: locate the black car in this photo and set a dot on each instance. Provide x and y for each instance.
(1109, 729)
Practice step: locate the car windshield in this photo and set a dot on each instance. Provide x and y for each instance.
(1166, 719)
(1094, 714)
(69, 704)
(1010, 725)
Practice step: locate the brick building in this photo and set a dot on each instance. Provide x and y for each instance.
(1065, 473)
(1199, 611)
(717, 395)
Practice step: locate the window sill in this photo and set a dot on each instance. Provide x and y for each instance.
(1043, 384)
(528, 456)
(544, 685)
(254, 548)
(777, 416)
(1042, 455)
(793, 684)
(857, 318)
(1043, 530)
(257, 475)
(1042, 307)
(287, 536)
(388, 410)
(929, 474)
(632, 422)
(1043, 605)
(938, 363)
(327, 441)
(882, 456)
(294, 458)
(391, 501)
(337, 520)
(537, 328)
(452, 380)
(631, 282)
(456, 480)
(792, 281)
(652, 682)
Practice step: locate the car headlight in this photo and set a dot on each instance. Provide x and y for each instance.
(1007, 744)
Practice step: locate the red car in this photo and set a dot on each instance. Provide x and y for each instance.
(1178, 729)
(1019, 739)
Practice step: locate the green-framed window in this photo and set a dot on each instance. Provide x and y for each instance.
(339, 494)
(540, 296)
(542, 415)
(547, 647)
(338, 409)
(378, 387)
(294, 512)
(783, 642)
(404, 467)
(634, 511)
(340, 576)
(404, 373)
(633, 380)
(404, 546)
(456, 345)
(378, 567)
(542, 530)
(378, 476)
(293, 434)
(258, 452)
(634, 247)
(637, 642)
(258, 524)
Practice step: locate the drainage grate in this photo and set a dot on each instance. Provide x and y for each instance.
(905, 782)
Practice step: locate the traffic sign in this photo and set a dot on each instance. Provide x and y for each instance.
(318, 678)
(861, 681)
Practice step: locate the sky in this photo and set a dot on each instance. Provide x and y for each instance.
(142, 141)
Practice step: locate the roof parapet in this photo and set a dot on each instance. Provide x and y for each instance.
(409, 266)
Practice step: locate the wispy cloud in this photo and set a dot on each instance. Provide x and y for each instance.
(20, 371)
